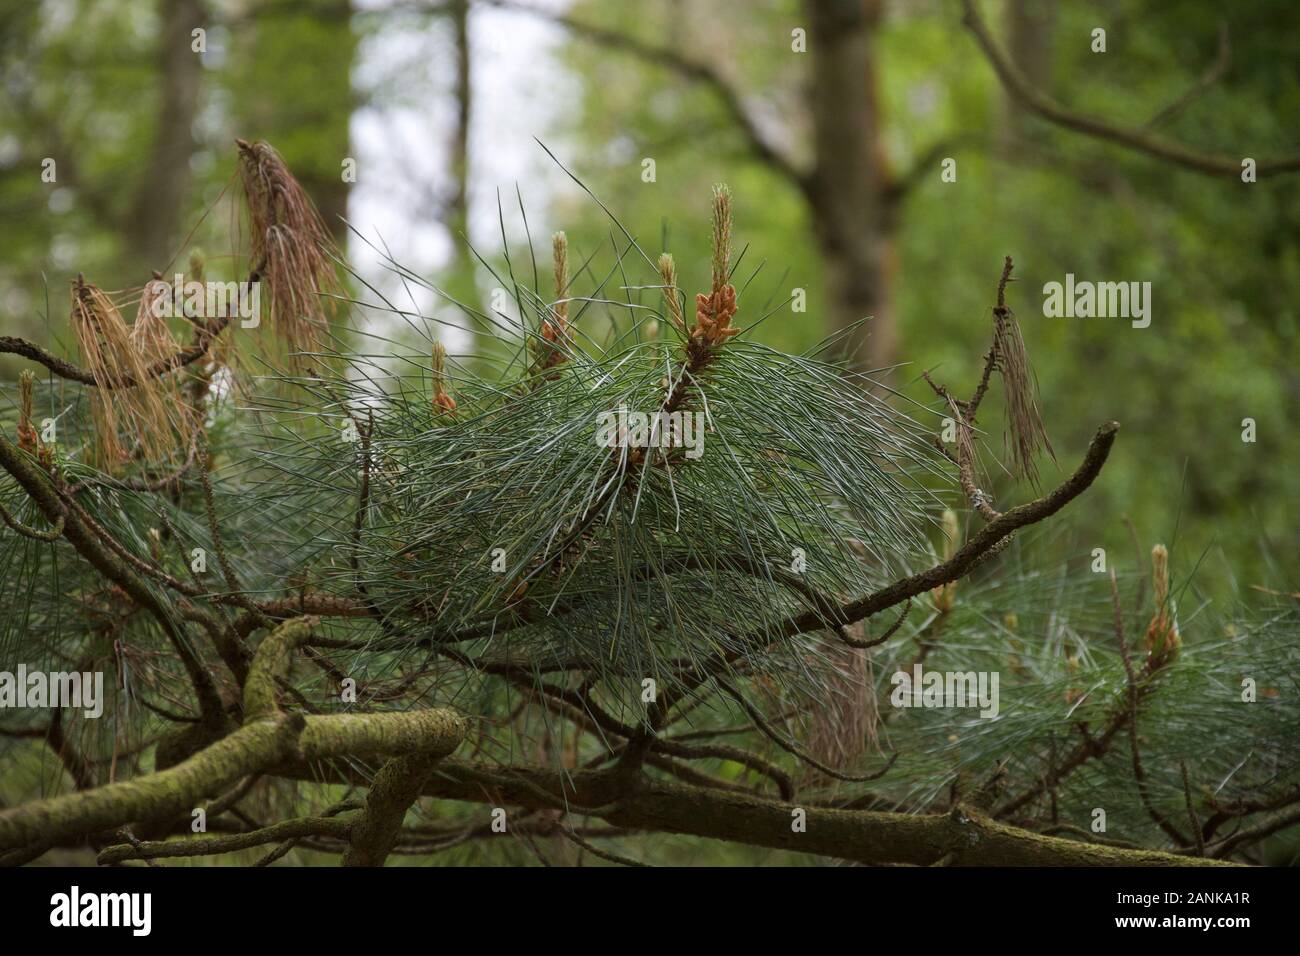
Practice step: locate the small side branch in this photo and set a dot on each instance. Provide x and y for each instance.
(969, 554)
(1139, 140)
(75, 373)
(211, 844)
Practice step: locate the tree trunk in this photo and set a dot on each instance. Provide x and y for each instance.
(458, 206)
(154, 224)
(851, 209)
(460, 281)
(1029, 28)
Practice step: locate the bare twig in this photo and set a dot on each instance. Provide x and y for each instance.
(1139, 140)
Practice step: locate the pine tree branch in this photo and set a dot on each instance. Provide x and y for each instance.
(865, 836)
(75, 373)
(42, 491)
(989, 537)
(210, 845)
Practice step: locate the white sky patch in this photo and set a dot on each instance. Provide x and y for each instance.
(401, 139)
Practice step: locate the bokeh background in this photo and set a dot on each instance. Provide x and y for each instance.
(834, 155)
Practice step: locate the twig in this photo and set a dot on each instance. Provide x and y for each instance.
(597, 851)
(1139, 140)
(789, 747)
(51, 534)
(1211, 76)
(75, 373)
(1191, 810)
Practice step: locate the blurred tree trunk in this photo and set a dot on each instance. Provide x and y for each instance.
(849, 185)
(460, 276)
(854, 215)
(293, 84)
(1029, 27)
(153, 225)
(458, 204)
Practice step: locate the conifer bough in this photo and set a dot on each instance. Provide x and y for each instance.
(361, 560)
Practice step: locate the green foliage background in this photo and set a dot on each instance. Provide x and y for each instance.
(1222, 257)
(81, 78)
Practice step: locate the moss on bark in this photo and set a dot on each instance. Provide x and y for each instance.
(266, 740)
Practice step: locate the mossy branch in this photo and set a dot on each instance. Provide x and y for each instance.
(257, 747)
(971, 838)
(272, 661)
(266, 740)
(164, 795)
(395, 788)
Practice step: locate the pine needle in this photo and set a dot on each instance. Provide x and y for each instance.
(291, 249)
